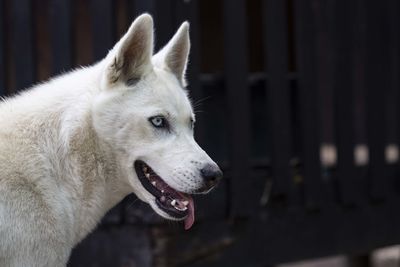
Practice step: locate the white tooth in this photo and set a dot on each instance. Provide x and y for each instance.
(185, 202)
(162, 191)
(147, 175)
(173, 202)
(154, 183)
(180, 209)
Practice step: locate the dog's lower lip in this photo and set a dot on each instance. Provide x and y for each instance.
(169, 200)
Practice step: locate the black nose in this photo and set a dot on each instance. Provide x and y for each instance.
(211, 175)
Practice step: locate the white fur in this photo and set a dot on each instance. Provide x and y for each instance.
(67, 146)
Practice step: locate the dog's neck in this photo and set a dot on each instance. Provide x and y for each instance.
(97, 182)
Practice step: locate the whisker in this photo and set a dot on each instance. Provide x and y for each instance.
(200, 101)
(130, 205)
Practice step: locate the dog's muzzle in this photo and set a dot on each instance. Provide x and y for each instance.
(211, 175)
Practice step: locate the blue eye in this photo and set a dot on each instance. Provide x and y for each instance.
(158, 122)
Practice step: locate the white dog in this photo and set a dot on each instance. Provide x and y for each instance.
(73, 147)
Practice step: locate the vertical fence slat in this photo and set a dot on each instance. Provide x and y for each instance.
(359, 55)
(377, 61)
(395, 70)
(61, 35)
(189, 10)
(102, 27)
(306, 67)
(215, 206)
(393, 94)
(344, 101)
(276, 59)
(22, 40)
(323, 21)
(2, 61)
(235, 68)
(392, 99)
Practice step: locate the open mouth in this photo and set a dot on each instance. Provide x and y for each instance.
(176, 204)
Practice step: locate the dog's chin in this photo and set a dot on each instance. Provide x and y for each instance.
(165, 200)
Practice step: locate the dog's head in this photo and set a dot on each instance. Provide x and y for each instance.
(143, 112)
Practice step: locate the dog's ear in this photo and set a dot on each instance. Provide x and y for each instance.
(130, 58)
(174, 56)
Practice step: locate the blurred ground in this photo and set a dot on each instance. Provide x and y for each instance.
(386, 257)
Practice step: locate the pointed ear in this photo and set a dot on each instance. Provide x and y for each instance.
(131, 56)
(174, 56)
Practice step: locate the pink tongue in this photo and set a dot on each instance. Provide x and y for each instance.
(190, 218)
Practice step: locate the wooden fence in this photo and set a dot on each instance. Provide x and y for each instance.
(301, 112)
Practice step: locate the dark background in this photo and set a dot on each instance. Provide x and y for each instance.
(297, 100)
